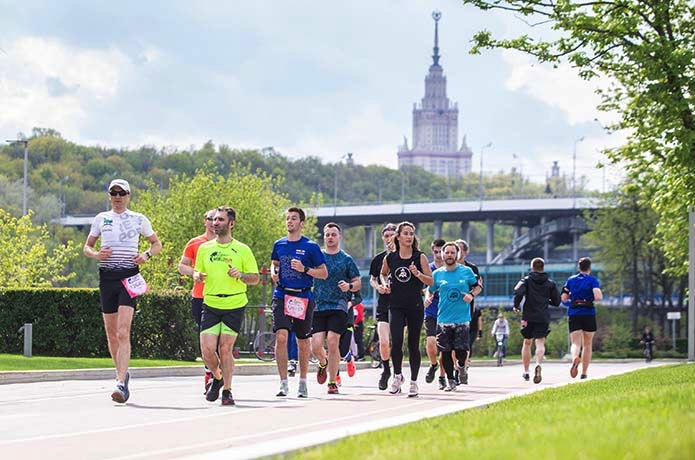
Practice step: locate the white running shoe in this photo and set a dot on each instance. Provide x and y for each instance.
(396, 384)
(413, 389)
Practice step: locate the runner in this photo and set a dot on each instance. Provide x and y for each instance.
(331, 314)
(120, 281)
(228, 267)
(382, 307)
(454, 282)
(476, 327)
(409, 270)
(582, 290)
(296, 261)
(431, 303)
(537, 290)
(186, 264)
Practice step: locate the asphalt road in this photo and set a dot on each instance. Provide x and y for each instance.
(168, 417)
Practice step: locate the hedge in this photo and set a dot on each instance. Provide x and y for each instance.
(68, 322)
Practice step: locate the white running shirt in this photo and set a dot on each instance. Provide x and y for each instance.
(121, 233)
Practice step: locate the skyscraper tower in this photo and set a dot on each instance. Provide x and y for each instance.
(435, 126)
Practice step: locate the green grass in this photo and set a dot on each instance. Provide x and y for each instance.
(647, 414)
(45, 363)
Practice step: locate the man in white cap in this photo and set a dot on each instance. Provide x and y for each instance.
(120, 281)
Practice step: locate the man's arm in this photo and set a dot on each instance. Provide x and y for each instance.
(185, 266)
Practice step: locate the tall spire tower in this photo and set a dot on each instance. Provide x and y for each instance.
(435, 125)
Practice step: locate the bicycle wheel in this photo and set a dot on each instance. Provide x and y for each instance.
(264, 346)
(499, 355)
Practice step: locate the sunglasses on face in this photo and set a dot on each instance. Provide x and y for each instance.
(118, 193)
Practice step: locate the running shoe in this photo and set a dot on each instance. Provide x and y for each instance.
(583, 376)
(333, 389)
(208, 378)
(451, 386)
(537, 374)
(284, 389)
(214, 390)
(429, 378)
(463, 376)
(525, 376)
(442, 383)
(322, 374)
(574, 370)
(120, 394)
(413, 391)
(396, 384)
(227, 399)
(302, 392)
(351, 367)
(384, 379)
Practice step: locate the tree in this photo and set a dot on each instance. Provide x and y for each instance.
(177, 216)
(646, 49)
(27, 257)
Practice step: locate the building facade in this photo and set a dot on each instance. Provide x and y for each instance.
(435, 126)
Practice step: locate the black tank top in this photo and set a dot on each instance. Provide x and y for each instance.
(406, 289)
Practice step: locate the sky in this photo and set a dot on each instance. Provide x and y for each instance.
(319, 78)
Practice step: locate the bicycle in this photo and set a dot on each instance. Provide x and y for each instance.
(373, 347)
(500, 348)
(264, 346)
(648, 349)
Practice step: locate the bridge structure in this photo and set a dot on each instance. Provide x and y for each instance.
(539, 224)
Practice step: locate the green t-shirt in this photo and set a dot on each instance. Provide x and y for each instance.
(215, 259)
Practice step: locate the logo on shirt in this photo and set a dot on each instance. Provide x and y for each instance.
(300, 252)
(402, 274)
(454, 295)
(220, 257)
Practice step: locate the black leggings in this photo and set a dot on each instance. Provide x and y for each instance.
(400, 318)
(448, 362)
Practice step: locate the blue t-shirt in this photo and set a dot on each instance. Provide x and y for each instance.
(431, 311)
(327, 294)
(308, 252)
(452, 286)
(581, 287)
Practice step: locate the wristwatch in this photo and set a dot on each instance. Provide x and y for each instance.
(306, 269)
(148, 253)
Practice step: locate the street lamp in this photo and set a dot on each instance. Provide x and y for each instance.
(26, 155)
(574, 172)
(480, 187)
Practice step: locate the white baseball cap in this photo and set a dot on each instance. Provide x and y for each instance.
(120, 183)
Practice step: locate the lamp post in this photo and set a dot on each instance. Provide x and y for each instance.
(26, 156)
(574, 172)
(480, 186)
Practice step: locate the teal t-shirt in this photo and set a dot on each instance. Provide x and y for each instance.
(327, 294)
(452, 286)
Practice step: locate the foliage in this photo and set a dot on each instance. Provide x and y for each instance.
(68, 323)
(27, 257)
(177, 216)
(646, 51)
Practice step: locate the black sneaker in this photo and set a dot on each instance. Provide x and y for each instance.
(429, 378)
(442, 383)
(526, 376)
(227, 399)
(214, 390)
(384, 380)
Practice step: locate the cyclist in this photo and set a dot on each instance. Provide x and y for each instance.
(501, 326)
(648, 341)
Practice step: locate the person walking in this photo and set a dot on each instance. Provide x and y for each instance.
(331, 314)
(295, 262)
(186, 268)
(455, 283)
(120, 281)
(582, 290)
(382, 307)
(537, 291)
(228, 267)
(408, 269)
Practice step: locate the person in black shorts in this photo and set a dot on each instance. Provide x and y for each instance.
(382, 307)
(537, 291)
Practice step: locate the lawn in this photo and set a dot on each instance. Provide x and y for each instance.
(644, 414)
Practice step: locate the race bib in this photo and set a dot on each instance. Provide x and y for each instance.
(135, 285)
(296, 306)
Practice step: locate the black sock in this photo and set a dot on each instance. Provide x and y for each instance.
(387, 366)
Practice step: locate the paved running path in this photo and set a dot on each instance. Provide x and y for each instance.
(169, 418)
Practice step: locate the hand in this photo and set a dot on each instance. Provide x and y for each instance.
(428, 301)
(343, 286)
(199, 277)
(234, 272)
(141, 258)
(104, 253)
(413, 269)
(297, 264)
(515, 310)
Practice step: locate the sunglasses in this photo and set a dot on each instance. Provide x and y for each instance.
(118, 193)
